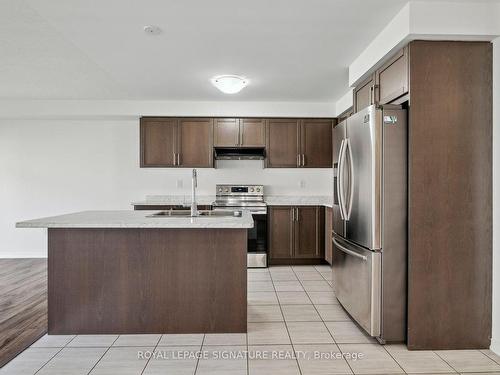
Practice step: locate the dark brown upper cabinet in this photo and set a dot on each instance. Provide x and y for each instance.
(296, 233)
(253, 132)
(365, 94)
(227, 132)
(294, 143)
(176, 142)
(195, 139)
(392, 77)
(189, 142)
(282, 146)
(158, 142)
(234, 132)
(388, 83)
(316, 143)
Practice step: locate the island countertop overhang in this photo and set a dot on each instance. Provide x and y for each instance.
(137, 219)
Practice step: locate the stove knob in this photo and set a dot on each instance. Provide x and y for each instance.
(226, 190)
(251, 190)
(258, 190)
(220, 190)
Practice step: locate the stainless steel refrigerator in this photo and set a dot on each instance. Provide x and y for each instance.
(370, 219)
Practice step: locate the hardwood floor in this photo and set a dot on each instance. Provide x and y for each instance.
(23, 305)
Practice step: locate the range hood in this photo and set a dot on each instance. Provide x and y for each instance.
(239, 153)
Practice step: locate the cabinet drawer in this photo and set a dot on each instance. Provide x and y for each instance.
(357, 283)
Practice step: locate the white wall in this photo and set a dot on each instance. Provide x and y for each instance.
(50, 167)
(495, 342)
(133, 109)
(344, 103)
(429, 20)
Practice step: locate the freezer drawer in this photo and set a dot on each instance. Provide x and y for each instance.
(357, 283)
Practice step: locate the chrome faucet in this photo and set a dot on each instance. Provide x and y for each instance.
(194, 185)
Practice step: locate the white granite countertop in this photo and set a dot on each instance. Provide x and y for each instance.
(299, 200)
(136, 219)
(271, 200)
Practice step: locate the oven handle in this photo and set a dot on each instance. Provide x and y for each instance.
(252, 212)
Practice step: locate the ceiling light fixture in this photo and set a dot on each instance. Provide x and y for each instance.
(152, 30)
(229, 84)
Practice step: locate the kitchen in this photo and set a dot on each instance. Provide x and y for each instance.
(303, 161)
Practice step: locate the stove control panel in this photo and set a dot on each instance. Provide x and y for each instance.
(240, 189)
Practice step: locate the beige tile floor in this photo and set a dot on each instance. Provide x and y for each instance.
(295, 326)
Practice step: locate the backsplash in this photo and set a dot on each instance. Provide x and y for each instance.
(277, 181)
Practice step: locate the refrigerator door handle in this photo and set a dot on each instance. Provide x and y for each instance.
(342, 157)
(351, 180)
(347, 251)
(339, 180)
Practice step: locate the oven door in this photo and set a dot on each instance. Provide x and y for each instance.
(257, 241)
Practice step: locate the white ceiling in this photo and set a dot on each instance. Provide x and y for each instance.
(291, 50)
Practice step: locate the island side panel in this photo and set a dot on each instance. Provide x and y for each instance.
(104, 281)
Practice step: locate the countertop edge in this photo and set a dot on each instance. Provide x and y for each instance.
(129, 219)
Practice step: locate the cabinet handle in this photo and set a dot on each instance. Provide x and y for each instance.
(372, 93)
(298, 160)
(241, 137)
(303, 160)
(178, 159)
(296, 214)
(174, 158)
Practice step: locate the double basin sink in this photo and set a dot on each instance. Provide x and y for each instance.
(201, 213)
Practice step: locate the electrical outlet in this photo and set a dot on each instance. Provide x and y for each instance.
(302, 184)
(180, 184)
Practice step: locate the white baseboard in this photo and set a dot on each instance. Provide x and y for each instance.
(24, 254)
(495, 346)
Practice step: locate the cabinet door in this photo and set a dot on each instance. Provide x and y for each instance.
(252, 132)
(392, 77)
(316, 143)
(280, 232)
(365, 94)
(195, 142)
(282, 143)
(328, 234)
(226, 132)
(158, 142)
(309, 232)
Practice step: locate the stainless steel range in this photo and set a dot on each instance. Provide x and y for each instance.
(251, 198)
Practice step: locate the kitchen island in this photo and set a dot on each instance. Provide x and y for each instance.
(128, 272)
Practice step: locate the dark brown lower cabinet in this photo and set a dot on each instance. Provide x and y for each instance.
(296, 234)
(328, 234)
(146, 280)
